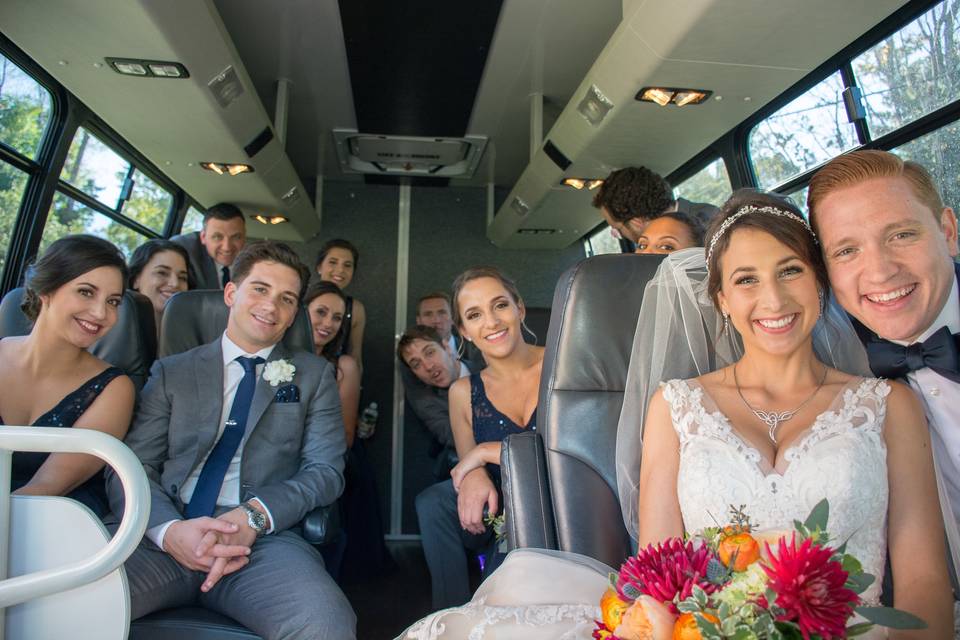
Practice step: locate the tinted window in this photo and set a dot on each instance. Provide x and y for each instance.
(25, 108)
(13, 182)
(602, 241)
(913, 72)
(711, 184)
(95, 169)
(807, 132)
(69, 216)
(193, 221)
(939, 153)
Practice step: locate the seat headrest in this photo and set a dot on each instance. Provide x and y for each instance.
(193, 318)
(130, 345)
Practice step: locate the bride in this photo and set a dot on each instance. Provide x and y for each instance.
(860, 442)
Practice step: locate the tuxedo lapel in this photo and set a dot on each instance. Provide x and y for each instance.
(264, 393)
(208, 368)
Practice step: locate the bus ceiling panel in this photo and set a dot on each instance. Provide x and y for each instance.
(175, 123)
(745, 51)
(301, 41)
(539, 46)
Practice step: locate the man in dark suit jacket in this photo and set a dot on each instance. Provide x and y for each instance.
(630, 198)
(240, 439)
(213, 249)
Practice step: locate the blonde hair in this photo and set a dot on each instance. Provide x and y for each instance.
(859, 166)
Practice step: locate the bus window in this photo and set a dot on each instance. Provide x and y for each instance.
(806, 132)
(913, 72)
(25, 108)
(711, 184)
(70, 216)
(601, 241)
(95, 169)
(938, 152)
(799, 198)
(193, 221)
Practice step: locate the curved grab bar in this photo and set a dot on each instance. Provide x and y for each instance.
(136, 492)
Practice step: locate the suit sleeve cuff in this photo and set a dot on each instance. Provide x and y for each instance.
(156, 534)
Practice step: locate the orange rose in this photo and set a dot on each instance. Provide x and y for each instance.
(686, 626)
(744, 546)
(646, 619)
(613, 608)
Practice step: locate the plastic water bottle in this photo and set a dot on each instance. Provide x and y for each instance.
(368, 421)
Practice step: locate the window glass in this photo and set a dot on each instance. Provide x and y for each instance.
(913, 72)
(25, 108)
(602, 241)
(95, 168)
(938, 152)
(193, 221)
(13, 182)
(799, 198)
(807, 132)
(711, 184)
(149, 203)
(69, 216)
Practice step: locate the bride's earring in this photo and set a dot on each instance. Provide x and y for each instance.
(822, 302)
(726, 321)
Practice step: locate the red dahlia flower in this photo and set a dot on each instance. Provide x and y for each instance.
(809, 588)
(666, 571)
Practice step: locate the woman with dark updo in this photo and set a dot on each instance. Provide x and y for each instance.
(49, 379)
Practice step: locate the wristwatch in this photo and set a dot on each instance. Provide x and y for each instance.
(255, 519)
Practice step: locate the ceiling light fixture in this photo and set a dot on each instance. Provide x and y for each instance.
(594, 106)
(148, 68)
(666, 95)
(270, 219)
(580, 183)
(221, 168)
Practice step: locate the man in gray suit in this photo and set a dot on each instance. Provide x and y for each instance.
(631, 197)
(240, 439)
(213, 249)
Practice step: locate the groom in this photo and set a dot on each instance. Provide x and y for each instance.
(240, 439)
(889, 244)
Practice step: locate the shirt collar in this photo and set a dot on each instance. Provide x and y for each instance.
(231, 351)
(949, 316)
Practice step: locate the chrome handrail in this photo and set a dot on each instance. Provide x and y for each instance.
(136, 492)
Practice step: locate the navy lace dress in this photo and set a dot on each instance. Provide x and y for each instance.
(489, 424)
(25, 464)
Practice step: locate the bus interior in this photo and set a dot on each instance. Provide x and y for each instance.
(440, 135)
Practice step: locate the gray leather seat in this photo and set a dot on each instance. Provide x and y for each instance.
(190, 319)
(560, 482)
(130, 345)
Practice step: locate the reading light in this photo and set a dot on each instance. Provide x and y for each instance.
(665, 95)
(148, 68)
(221, 168)
(269, 219)
(580, 183)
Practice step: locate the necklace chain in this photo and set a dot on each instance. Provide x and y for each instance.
(771, 418)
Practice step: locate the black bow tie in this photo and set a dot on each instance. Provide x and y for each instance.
(938, 352)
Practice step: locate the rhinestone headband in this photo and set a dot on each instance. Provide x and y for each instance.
(744, 211)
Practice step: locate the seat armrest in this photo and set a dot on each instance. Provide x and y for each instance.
(322, 525)
(526, 493)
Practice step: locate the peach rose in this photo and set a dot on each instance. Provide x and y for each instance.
(612, 608)
(646, 619)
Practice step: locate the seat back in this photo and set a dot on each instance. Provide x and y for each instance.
(592, 327)
(193, 318)
(130, 345)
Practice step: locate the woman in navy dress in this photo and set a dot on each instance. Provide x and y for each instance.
(49, 379)
(497, 402)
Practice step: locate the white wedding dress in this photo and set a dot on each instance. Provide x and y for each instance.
(539, 594)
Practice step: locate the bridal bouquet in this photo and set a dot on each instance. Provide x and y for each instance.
(739, 584)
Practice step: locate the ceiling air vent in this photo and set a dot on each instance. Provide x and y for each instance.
(408, 155)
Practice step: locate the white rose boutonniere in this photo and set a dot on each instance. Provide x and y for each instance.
(278, 371)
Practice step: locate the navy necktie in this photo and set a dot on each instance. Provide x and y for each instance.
(938, 352)
(224, 277)
(204, 499)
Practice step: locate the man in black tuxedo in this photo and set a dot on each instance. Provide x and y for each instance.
(213, 249)
(889, 244)
(631, 197)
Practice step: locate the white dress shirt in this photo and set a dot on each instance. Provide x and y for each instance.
(230, 489)
(941, 403)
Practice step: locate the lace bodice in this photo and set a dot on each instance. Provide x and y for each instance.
(841, 457)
